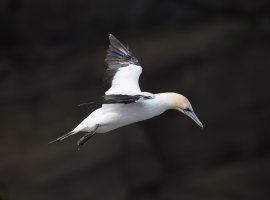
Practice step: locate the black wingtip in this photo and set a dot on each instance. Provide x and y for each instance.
(88, 103)
(118, 55)
(116, 43)
(63, 137)
(56, 140)
(111, 36)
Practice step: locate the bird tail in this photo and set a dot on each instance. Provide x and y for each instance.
(64, 136)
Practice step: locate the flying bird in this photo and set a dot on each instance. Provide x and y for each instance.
(124, 103)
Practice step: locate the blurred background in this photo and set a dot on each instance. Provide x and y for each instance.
(215, 52)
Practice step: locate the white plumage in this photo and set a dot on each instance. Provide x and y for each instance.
(126, 80)
(124, 103)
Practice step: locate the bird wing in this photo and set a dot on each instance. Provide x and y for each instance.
(120, 98)
(123, 72)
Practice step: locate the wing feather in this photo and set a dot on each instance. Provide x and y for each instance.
(123, 72)
(119, 98)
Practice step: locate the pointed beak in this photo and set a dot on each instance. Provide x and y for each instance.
(193, 116)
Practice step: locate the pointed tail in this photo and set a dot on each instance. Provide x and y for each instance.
(64, 136)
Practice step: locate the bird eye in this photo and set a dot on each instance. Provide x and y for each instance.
(188, 110)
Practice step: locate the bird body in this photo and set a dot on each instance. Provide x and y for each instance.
(124, 103)
(113, 116)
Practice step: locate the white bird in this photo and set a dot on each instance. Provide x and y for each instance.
(124, 103)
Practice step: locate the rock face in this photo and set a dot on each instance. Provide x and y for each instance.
(214, 52)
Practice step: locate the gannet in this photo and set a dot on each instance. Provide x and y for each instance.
(124, 103)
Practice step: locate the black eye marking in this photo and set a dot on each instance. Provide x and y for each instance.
(188, 110)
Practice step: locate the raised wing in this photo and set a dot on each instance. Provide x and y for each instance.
(123, 72)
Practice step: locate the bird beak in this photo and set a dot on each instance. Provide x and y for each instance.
(193, 116)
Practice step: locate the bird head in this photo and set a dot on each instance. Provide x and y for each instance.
(182, 104)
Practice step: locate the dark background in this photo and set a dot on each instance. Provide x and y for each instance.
(215, 52)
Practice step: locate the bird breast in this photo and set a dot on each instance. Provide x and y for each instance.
(117, 115)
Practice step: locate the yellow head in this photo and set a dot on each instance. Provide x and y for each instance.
(181, 103)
